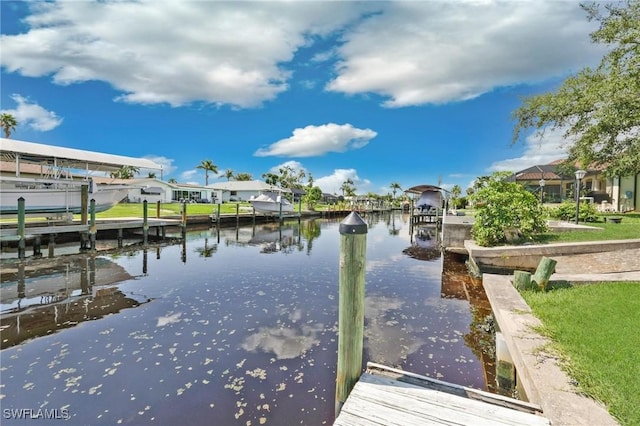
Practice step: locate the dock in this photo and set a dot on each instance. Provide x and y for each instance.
(85, 233)
(388, 396)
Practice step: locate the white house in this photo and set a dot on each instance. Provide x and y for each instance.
(240, 190)
(153, 190)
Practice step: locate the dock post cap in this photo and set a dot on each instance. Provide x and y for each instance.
(353, 224)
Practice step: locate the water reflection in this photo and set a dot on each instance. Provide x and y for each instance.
(240, 326)
(42, 297)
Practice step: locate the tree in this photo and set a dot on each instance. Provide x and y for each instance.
(228, 174)
(395, 186)
(455, 195)
(8, 123)
(270, 178)
(125, 172)
(207, 166)
(348, 188)
(597, 109)
(244, 176)
(312, 197)
(502, 208)
(152, 175)
(172, 180)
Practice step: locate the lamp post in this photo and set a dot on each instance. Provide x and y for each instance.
(541, 183)
(579, 175)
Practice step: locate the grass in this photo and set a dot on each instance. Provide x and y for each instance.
(595, 330)
(629, 228)
(166, 209)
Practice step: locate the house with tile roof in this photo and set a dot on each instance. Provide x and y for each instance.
(613, 194)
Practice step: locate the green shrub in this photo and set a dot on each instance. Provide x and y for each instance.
(567, 211)
(504, 210)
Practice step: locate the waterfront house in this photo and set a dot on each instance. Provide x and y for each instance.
(613, 194)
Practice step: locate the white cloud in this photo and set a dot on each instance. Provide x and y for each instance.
(166, 163)
(293, 165)
(436, 52)
(319, 140)
(332, 183)
(539, 150)
(33, 115)
(221, 53)
(241, 53)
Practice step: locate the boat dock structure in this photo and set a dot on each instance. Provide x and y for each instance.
(388, 396)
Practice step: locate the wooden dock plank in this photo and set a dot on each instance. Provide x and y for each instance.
(380, 400)
(387, 396)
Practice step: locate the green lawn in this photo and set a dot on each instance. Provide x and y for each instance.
(595, 330)
(629, 228)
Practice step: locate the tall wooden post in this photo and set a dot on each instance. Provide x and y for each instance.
(84, 204)
(184, 218)
(51, 245)
(158, 210)
(21, 229)
(145, 222)
(92, 224)
(353, 247)
(237, 215)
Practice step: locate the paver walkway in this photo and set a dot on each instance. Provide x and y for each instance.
(623, 265)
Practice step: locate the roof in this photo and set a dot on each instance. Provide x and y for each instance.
(72, 158)
(419, 189)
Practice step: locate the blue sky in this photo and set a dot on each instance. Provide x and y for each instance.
(414, 92)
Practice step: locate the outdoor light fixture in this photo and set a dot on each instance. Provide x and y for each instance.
(542, 183)
(579, 175)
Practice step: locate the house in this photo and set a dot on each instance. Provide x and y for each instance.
(153, 190)
(615, 194)
(240, 190)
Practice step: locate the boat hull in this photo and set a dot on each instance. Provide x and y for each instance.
(271, 207)
(55, 199)
(270, 203)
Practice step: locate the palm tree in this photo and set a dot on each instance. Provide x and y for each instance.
(172, 180)
(347, 188)
(152, 175)
(125, 172)
(395, 186)
(207, 166)
(8, 123)
(228, 174)
(244, 177)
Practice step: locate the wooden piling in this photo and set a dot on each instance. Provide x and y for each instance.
(184, 216)
(522, 280)
(36, 246)
(145, 222)
(158, 210)
(353, 244)
(84, 204)
(545, 269)
(21, 229)
(92, 224)
(237, 214)
(51, 245)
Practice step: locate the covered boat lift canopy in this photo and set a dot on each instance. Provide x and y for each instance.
(70, 158)
(419, 189)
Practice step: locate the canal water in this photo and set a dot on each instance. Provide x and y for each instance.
(231, 327)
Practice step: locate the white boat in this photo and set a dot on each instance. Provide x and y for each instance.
(430, 199)
(55, 196)
(271, 202)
